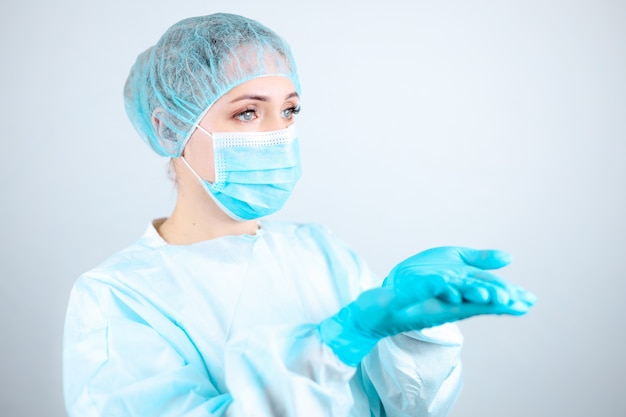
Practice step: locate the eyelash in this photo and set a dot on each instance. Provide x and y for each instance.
(294, 110)
(240, 116)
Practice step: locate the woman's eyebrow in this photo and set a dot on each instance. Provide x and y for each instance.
(260, 97)
(251, 97)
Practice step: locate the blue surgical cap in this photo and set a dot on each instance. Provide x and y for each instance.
(194, 63)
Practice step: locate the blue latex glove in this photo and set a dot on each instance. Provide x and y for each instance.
(434, 287)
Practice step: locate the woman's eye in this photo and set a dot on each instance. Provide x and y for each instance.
(246, 116)
(290, 112)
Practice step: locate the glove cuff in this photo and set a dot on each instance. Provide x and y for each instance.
(342, 336)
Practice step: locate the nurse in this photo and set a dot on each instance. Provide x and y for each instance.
(214, 312)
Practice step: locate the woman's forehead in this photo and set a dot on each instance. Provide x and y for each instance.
(263, 88)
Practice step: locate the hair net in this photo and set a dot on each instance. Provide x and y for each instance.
(194, 63)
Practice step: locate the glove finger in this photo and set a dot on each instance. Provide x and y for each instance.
(503, 292)
(514, 308)
(476, 294)
(490, 278)
(480, 291)
(485, 259)
(435, 312)
(522, 295)
(444, 313)
(451, 295)
(500, 291)
(478, 286)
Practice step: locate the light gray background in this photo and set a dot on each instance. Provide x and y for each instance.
(480, 123)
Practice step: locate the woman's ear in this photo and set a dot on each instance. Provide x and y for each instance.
(161, 130)
(166, 136)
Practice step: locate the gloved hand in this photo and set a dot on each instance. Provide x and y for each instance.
(434, 287)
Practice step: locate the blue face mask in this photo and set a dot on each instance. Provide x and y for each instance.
(254, 171)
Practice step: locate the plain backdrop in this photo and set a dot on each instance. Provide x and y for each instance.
(424, 123)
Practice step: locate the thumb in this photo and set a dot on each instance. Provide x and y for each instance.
(485, 259)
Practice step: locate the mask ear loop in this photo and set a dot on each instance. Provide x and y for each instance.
(204, 131)
(182, 158)
(187, 163)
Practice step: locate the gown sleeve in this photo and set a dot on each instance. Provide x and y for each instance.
(415, 373)
(121, 357)
(124, 358)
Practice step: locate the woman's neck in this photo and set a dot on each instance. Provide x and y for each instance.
(197, 217)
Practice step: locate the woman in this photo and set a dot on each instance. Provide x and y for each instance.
(213, 312)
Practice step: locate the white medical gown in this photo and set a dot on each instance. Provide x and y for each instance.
(228, 327)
